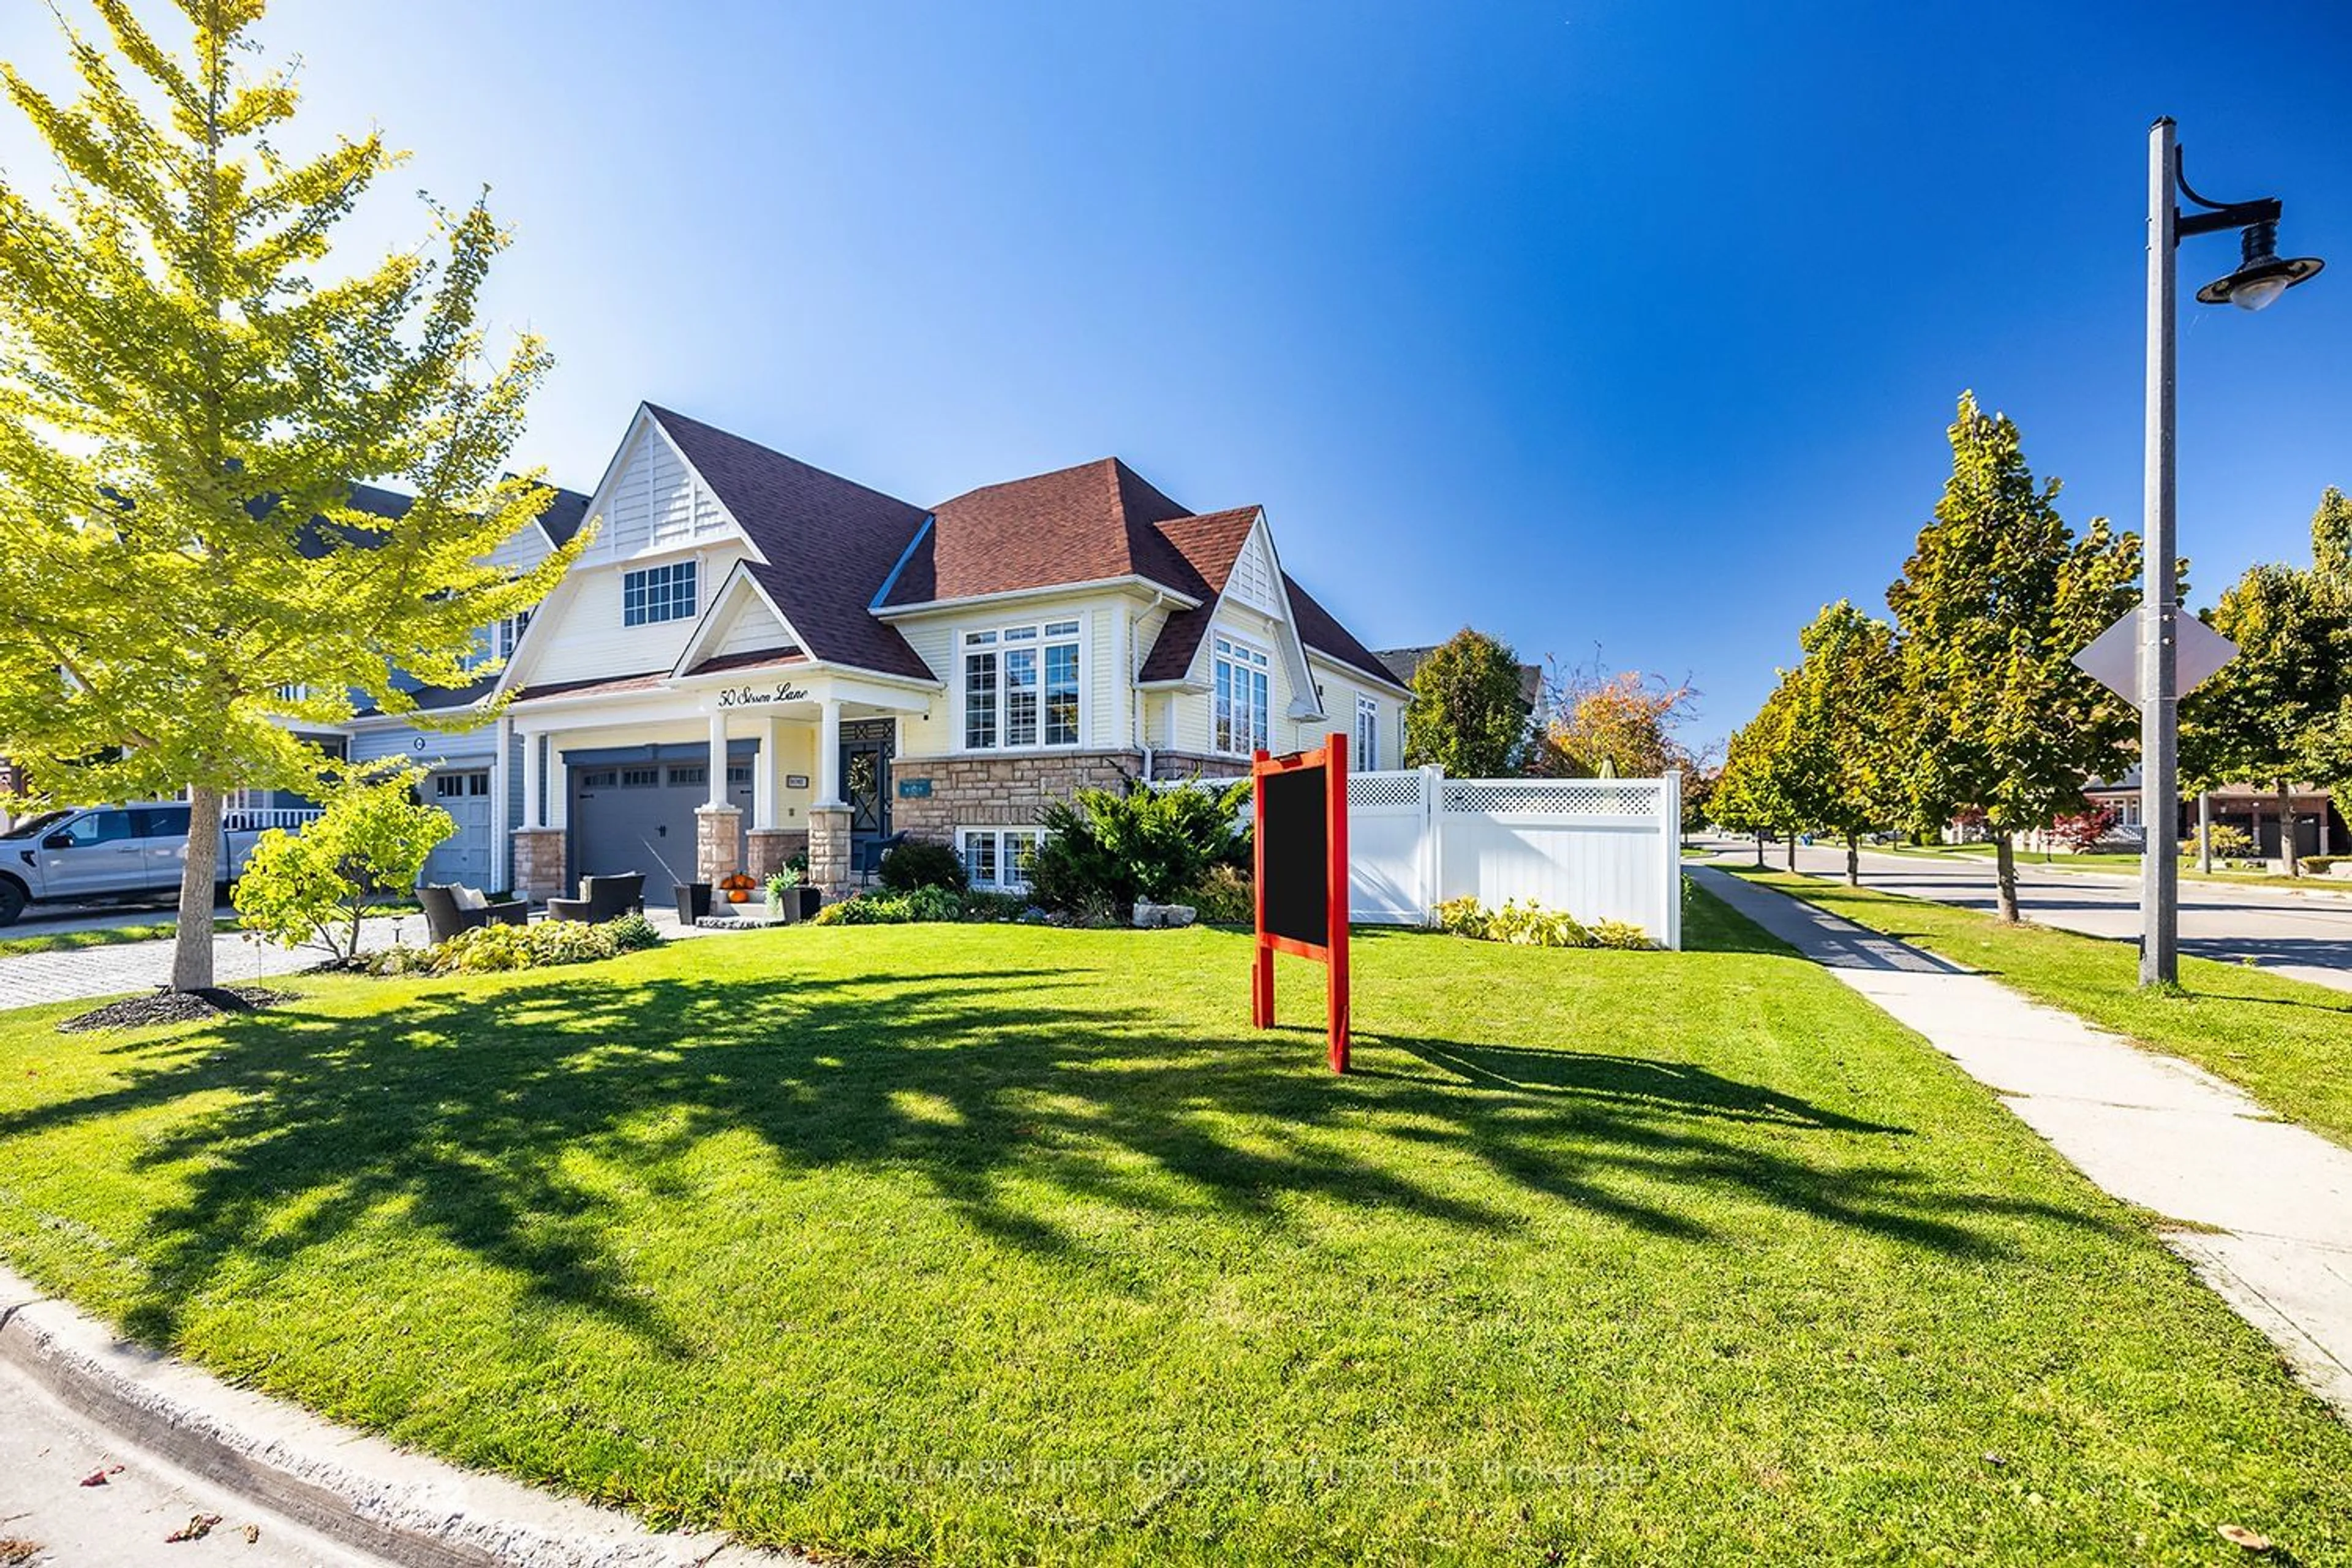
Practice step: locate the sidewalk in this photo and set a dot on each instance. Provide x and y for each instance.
(87, 973)
(2271, 1203)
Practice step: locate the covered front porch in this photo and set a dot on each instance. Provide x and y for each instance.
(697, 778)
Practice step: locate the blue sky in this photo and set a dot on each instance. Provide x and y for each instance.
(1590, 323)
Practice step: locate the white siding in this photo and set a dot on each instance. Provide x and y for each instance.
(584, 638)
(656, 501)
(1195, 712)
(1252, 581)
(931, 733)
(752, 627)
(1341, 689)
(938, 640)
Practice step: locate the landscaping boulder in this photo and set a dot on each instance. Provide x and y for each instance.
(1153, 917)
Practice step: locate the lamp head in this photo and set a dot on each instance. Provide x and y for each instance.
(2261, 277)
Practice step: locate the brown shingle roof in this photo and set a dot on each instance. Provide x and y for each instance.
(597, 685)
(830, 544)
(1074, 525)
(1320, 629)
(1209, 546)
(759, 658)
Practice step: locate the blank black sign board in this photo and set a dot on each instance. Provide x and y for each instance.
(1295, 833)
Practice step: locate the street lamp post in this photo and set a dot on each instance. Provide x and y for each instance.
(2260, 278)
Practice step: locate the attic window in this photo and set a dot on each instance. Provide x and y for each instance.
(657, 594)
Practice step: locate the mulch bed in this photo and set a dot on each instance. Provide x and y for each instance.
(176, 1007)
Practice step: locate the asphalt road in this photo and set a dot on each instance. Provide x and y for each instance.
(2308, 935)
(48, 1517)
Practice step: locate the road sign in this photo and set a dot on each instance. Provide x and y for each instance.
(2113, 657)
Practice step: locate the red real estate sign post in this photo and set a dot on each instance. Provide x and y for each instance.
(1302, 876)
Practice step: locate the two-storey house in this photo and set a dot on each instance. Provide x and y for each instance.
(756, 658)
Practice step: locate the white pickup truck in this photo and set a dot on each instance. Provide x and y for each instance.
(89, 854)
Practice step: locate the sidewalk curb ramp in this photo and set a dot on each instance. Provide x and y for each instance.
(357, 1489)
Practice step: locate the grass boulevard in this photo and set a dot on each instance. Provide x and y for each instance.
(2286, 1042)
(999, 1244)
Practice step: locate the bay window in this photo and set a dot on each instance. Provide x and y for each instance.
(1243, 694)
(1021, 687)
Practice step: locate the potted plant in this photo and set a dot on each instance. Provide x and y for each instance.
(788, 899)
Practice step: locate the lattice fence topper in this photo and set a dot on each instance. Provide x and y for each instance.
(1567, 798)
(1391, 789)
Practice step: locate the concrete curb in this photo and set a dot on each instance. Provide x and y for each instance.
(353, 1488)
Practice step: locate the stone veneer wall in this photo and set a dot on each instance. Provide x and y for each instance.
(1000, 792)
(717, 841)
(828, 849)
(539, 863)
(767, 848)
(1197, 765)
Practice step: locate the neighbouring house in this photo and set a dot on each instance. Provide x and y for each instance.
(755, 658)
(475, 774)
(2319, 826)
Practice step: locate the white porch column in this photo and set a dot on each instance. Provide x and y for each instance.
(559, 785)
(500, 825)
(828, 754)
(718, 780)
(533, 777)
(764, 774)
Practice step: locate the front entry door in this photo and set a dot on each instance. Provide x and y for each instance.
(866, 747)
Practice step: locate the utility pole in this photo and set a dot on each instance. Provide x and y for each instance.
(2160, 716)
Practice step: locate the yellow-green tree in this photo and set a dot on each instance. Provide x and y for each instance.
(1997, 598)
(1846, 698)
(184, 409)
(1767, 774)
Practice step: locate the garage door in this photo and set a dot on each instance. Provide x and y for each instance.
(639, 817)
(465, 855)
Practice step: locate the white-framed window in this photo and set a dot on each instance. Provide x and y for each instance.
(998, 857)
(657, 594)
(1021, 687)
(497, 640)
(1368, 735)
(1244, 691)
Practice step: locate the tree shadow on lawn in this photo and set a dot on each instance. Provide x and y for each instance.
(458, 1109)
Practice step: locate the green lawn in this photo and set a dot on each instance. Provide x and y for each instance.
(2287, 1042)
(996, 1245)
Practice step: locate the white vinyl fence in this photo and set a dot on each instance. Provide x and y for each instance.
(1602, 849)
(1598, 848)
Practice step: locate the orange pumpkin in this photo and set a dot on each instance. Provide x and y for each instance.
(738, 896)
